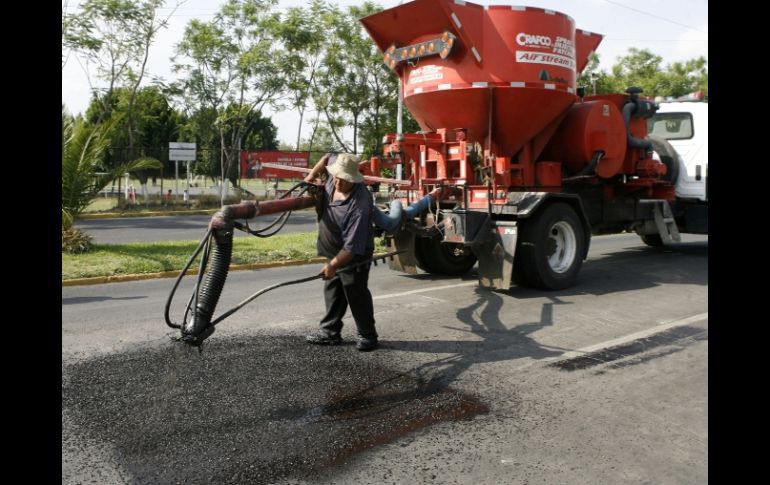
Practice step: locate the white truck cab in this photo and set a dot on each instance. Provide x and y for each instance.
(684, 124)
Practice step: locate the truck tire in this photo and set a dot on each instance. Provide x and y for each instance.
(653, 240)
(550, 248)
(668, 157)
(445, 259)
(419, 255)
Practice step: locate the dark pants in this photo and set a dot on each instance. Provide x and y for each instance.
(349, 289)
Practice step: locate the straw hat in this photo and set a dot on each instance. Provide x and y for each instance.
(346, 168)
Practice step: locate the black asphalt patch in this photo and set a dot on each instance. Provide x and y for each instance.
(674, 336)
(249, 410)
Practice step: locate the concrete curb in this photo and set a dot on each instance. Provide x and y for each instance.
(115, 215)
(99, 280)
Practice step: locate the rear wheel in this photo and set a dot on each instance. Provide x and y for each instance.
(447, 259)
(653, 240)
(550, 248)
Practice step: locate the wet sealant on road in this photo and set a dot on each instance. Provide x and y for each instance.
(674, 338)
(249, 410)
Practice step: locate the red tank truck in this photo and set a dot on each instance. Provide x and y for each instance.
(534, 167)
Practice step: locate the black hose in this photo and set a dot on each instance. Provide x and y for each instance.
(202, 246)
(197, 324)
(282, 219)
(199, 327)
(628, 110)
(345, 269)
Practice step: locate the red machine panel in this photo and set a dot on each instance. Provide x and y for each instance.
(588, 127)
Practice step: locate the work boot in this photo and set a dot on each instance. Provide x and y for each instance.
(366, 344)
(321, 338)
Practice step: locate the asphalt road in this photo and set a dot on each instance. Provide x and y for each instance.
(177, 228)
(606, 382)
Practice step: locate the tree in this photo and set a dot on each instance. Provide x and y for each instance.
(353, 87)
(686, 77)
(594, 80)
(257, 133)
(302, 33)
(83, 176)
(341, 91)
(642, 68)
(233, 68)
(155, 124)
(115, 36)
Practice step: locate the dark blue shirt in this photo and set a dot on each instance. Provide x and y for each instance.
(346, 224)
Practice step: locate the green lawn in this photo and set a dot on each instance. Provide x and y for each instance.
(134, 258)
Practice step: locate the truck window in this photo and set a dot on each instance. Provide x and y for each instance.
(671, 126)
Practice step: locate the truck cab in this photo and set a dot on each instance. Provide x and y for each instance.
(681, 131)
(684, 124)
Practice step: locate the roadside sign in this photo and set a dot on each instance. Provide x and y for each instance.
(181, 151)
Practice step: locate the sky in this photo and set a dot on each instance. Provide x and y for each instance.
(676, 30)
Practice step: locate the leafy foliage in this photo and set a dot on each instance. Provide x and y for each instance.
(75, 241)
(232, 67)
(83, 174)
(642, 68)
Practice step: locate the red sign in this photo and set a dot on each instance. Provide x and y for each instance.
(251, 163)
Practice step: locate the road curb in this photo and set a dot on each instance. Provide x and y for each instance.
(116, 215)
(99, 280)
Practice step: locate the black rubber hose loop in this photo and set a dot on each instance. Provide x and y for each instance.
(197, 251)
(210, 291)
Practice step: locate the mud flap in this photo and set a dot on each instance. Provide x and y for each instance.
(496, 255)
(407, 262)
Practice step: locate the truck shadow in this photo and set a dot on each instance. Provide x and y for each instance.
(490, 339)
(635, 268)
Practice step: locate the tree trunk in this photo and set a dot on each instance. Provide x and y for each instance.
(299, 129)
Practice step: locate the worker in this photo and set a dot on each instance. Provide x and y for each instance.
(343, 201)
(345, 237)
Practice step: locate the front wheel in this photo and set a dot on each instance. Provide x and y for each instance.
(550, 248)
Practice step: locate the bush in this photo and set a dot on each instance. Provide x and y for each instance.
(75, 241)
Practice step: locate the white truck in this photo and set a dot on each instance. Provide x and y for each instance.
(679, 132)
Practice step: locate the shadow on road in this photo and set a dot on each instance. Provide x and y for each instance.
(91, 299)
(491, 340)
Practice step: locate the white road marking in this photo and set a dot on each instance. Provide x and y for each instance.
(423, 290)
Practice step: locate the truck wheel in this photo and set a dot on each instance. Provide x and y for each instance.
(653, 240)
(550, 249)
(419, 255)
(447, 259)
(668, 156)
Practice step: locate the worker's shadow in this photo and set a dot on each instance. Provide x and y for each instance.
(488, 340)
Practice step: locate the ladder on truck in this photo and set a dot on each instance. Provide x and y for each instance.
(664, 221)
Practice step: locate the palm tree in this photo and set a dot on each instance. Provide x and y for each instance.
(82, 151)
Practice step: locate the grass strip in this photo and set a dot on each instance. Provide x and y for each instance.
(138, 258)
